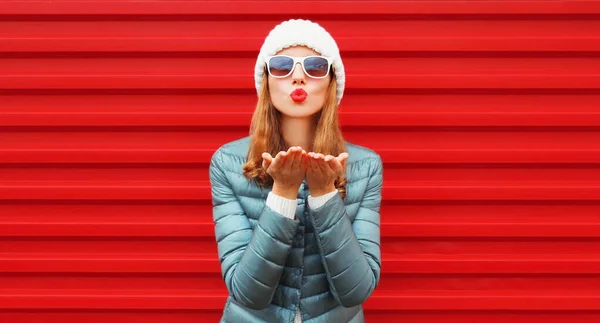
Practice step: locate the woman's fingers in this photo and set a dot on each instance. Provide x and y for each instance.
(341, 161)
(323, 164)
(333, 163)
(304, 160)
(294, 158)
(279, 160)
(338, 168)
(267, 160)
(309, 161)
(297, 158)
(292, 155)
(314, 163)
(326, 167)
(343, 158)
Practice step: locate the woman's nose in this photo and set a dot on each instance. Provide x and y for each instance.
(298, 73)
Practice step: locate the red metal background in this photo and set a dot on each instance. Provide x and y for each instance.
(487, 116)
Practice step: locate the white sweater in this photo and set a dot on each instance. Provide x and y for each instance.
(287, 208)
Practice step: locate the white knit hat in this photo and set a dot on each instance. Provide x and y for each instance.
(301, 32)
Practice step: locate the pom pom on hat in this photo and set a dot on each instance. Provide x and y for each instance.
(297, 32)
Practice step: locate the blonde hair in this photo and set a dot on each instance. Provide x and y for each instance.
(266, 136)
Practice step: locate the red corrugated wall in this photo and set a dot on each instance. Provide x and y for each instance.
(486, 114)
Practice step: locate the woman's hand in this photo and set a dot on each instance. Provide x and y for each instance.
(287, 169)
(323, 171)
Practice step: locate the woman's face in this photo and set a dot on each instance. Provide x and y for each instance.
(280, 89)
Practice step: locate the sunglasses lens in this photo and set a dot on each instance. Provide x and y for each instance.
(280, 65)
(316, 66)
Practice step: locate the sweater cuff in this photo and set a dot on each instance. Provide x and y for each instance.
(316, 202)
(282, 205)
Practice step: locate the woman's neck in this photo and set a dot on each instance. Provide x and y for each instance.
(298, 131)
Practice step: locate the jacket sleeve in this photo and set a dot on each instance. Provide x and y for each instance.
(252, 261)
(350, 252)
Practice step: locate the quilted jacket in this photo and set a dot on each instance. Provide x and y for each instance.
(327, 261)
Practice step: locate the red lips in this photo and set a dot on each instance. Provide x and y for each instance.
(298, 95)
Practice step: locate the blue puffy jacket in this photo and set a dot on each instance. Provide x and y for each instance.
(327, 261)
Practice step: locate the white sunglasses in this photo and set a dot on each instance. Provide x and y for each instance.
(280, 66)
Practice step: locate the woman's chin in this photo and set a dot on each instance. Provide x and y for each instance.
(296, 114)
(298, 111)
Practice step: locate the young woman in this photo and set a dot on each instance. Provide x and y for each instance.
(298, 233)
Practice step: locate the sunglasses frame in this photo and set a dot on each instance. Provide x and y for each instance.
(301, 61)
